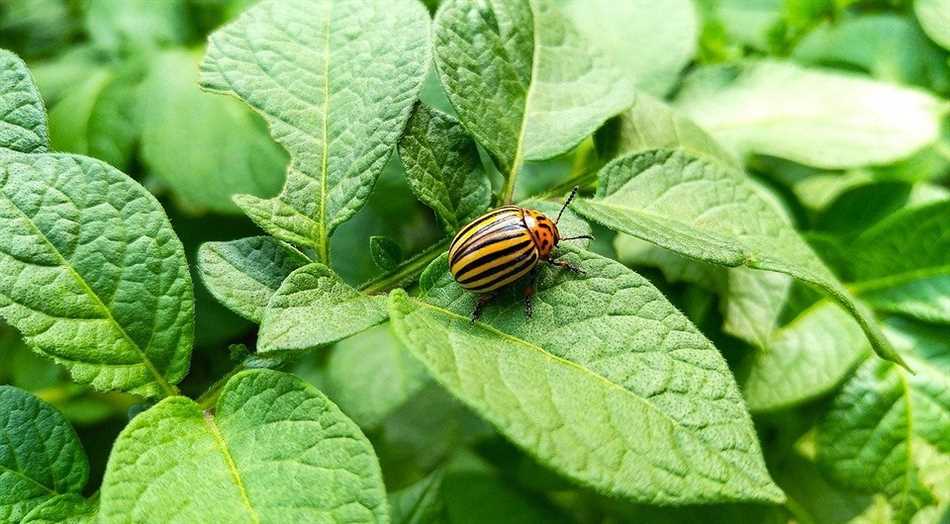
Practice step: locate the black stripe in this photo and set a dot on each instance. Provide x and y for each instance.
(490, 257)
(482, 218)
(480, 223)
(513, 270)
(498, 236)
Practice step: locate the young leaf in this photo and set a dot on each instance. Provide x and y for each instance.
(207, 148)
(823, 118)
(40, 454)
(804, 359)
(313, 308)
(706, 211)
(274, 449)
(443, 167)
(934, 17)
(337, 107)
(602, 384)
(63, 509)
(371, 374)
(649, 45)
(244, 274)
(887, 430)
(22, 116)
(92, 273)
(540, 87)
(386, 253)
(902, 264)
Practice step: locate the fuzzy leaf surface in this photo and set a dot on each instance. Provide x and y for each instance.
(313, 308)
(523, 79)
(706, 211)
(40, 455)
(22, 115)
(92, 273)
(336, 81)
(607, 383)
(443, 167)
(274, 449)
(244, 274)
(63, 509)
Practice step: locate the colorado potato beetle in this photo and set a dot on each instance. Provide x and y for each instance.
(502, 246)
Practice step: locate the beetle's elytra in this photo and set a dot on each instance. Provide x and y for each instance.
(502, 246)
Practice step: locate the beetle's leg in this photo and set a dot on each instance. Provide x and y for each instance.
(480, 304)
(529, 291)
(566, 265)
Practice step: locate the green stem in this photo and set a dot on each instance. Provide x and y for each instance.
(508, 190)
(407, 271)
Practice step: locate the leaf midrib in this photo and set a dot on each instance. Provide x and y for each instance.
(232, 466)
(159, 379)
(20, 473)
(491, 329)
(509, 186)
(323, 251)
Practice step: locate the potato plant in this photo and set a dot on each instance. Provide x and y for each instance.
(226, 297)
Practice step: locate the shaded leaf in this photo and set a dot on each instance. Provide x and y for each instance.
(313, 308)
(934, 17)
(40, 454)
(22, 116)
(826, 119)
(443, 167)
(274, 449)
(386, 253)
(336, 107)
(63, 509)
(420, 503)
(804, 359)
(92, 273)
(371, 374)
(522, 78)
(600, 384)
(705, 211)
(137, 25)
(244, 274)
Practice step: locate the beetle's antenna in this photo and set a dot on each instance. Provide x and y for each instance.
(566, 203)
(578, 237)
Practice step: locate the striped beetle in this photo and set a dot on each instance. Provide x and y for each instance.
(502, 246)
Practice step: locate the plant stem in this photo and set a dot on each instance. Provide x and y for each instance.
(508, 189)
(406, 271)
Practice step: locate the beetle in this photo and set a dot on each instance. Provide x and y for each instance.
(502, 246)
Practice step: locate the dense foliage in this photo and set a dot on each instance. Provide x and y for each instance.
(238, 308)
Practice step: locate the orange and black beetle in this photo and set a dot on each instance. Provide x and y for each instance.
(502, 246)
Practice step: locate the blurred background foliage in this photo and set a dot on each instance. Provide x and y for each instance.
(120, 82)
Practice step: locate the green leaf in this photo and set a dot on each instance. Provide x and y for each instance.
(523, 80)
(902, 264)
(804, 359)
(887, 430)
(22, 116)
(244, 274)
(313, 308)
(371, 374)
(887, 46)
(651, 124)
(92, 273)
(650, 45)
(40, 454)
(63, 509)
(473, 497)
(274, 449)
(183, 140)
(99, 117)
(136, 25)
(705, 211)
(337, 107)
(420, 503)
(38, 27)
(934, 17)
(386, 253)
(602, 384)
(443, 167)
(823, 119)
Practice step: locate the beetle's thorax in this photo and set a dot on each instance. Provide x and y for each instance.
(543, 231)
